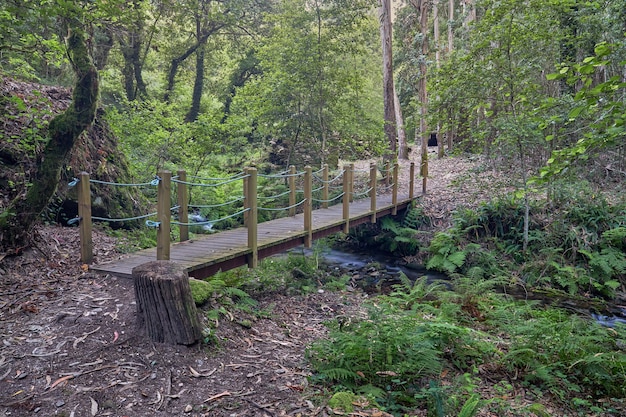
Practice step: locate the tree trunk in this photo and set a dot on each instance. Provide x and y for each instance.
(450, 135)
(165, 306)
(403, 148)
(198, 87)
(17, 221)
(384, 15)
(423, 11)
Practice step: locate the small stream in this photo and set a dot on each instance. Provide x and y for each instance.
(377, 273)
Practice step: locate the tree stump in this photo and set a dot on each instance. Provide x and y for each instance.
(165, 306)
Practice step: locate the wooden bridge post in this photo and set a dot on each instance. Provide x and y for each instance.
(84, 215)
(183, 210)
(412, 181)
(325, 186)
(253, 257)
(351, 183)
(164, 198)
(394, 195)
(246, 203)
(308, 206)
(373, 184)
(292, 190)
(346, 198)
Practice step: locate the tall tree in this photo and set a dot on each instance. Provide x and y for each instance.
(422, 7)
(17, 221)
(131, 35)
(384, 16)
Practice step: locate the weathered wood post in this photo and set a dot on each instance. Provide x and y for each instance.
(325, 186)
(346, 198)
(308, 206)
(84, 216)
(183, 210)
(411, 181)
(394, 194)
(164, 198)
(373, 184)
(253, 257)
(351, 183)
(246, 203)
(292, 190)
(165, 307)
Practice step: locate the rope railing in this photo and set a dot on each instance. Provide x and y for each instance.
(194, 184)
(211, 222)
(343, 180)
(233, 201)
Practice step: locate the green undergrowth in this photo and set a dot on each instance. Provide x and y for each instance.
(576, 244)
(424, 347)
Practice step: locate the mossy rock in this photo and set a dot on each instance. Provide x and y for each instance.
(342, 400)
(201, 291)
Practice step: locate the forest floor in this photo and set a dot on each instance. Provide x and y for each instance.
(70, 345)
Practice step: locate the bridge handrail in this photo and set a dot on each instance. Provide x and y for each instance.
(250, 198)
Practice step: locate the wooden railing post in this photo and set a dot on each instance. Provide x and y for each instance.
(325, 185)
(164, 198)
(351, 183)
(183, 210)
(346, 198)
(292, 190)
(246, 203)
(84, 215)
(308, 206)
(253, 257)
(394, 195)
(373, 184)
(412, 181)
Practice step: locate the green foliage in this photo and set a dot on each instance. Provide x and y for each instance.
(562, 353)
(598, 105)
(400, 237)
(447, 255)
(390, 354)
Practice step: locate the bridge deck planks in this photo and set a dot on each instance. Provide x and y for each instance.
(229, 248)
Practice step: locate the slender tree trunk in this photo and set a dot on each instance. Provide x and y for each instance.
(423, 94)
(450, 135)
(384, 15)
(198, 86)
(17, 221)
(403, 148)
(450, 26)
(437, 63)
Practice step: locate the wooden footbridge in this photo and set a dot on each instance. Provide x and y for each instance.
(306, 220)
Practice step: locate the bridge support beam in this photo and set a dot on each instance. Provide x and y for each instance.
(308, 206)
(84, 216)
(253, 257)
(164, 196)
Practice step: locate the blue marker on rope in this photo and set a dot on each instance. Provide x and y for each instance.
(73, 182)
(152, 223)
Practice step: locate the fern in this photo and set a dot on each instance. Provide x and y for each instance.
(616, 237)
